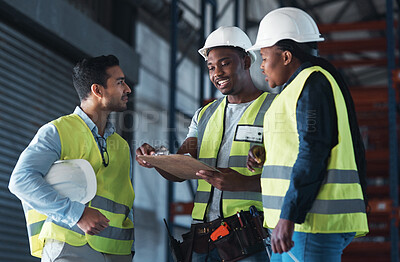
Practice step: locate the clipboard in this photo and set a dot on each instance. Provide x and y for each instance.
(182, 166)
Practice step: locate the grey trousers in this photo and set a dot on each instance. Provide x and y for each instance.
(56, 251)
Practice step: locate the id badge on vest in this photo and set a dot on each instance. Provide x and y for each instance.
(249, 133)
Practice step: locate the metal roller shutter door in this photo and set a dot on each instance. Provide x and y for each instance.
(35, 88)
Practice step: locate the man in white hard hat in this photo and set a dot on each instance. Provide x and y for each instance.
(221, 133)
(60, 229)
(313, 179)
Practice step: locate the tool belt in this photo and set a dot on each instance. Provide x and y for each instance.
(235, 237)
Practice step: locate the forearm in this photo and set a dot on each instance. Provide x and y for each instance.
(250, 183)
(307, 177)
(31, 188)
(28, 184)
(230, 180)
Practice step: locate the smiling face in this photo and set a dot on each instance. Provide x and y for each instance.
(227, 70)
(275, 65)
(116, 92)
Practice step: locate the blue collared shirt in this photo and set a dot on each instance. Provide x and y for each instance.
(27, 179)
(317, 128)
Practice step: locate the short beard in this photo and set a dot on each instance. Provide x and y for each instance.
(116, 108)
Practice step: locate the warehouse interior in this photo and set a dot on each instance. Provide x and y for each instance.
(157, 42)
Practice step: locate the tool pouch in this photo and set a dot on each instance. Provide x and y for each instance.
(241, 242)
(186, 246)
(229, 247)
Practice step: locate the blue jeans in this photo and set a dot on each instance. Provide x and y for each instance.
(316, 247)
(214, 257)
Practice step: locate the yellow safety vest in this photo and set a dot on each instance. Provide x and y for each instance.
(114, 196)
(339, 206)
(210, 134)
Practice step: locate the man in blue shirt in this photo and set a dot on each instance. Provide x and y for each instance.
(69, 232)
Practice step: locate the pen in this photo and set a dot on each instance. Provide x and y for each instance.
(240, 220)
(244, 219)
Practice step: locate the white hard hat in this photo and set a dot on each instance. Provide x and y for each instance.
(74, 178)
(227, 36)
(286, 23)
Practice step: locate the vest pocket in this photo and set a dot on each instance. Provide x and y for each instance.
(230, 247)
(240, 243)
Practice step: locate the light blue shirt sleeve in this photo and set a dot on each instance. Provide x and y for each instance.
(27, 179)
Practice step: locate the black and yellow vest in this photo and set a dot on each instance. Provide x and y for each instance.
(339, 206)
(210, 134)
(114, 196)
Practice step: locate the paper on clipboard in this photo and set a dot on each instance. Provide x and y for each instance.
(182, 166)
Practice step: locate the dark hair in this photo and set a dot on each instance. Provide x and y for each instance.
(302, 51)
(305, 52)
(91, 71)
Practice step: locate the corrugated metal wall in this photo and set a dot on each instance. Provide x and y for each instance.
(35, 87)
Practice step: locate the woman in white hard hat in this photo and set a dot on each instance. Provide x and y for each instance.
(313, 178)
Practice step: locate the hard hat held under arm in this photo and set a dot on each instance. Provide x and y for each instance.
(113, 178)
(73, 178)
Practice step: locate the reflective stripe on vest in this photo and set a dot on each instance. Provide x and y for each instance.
(210, 134)
(34, 224)
(118, 237)
(339, 205)
(109, 232)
